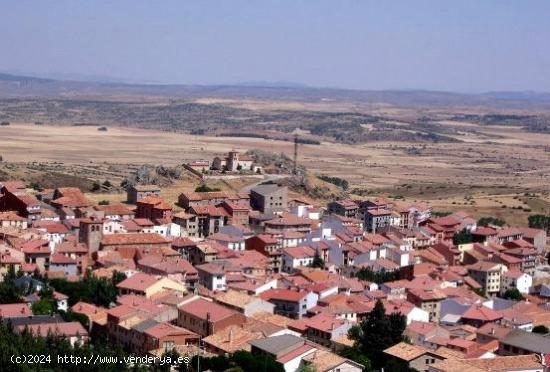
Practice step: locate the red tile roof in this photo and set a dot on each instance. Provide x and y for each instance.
(483, 313)
(138, 282)
(283, 295)
(203, 309)
(133, 238)
(14, 310)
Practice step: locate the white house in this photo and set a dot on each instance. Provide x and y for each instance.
(515, 279)
(212, 276)
(294, 257)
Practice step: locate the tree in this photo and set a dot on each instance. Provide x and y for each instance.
(26, 343)
(486, 221)
(239, 361)
(375, 334)
(205, 188)
(539, 221)
(463, 237)
(9, 292)
(99, 291)
(46, 305)
(96, 186)
(540, 329)
(307, 368)
(513, 294)
(377, 277)
(118, 277)
(318, 262)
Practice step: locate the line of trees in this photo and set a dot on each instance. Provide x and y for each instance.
(99, 291)
(25, 343)
(539, 221)
(377, 277)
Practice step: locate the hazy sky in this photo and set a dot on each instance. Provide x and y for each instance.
(460, 45)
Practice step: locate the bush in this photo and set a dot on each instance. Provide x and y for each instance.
(486, 221)
(540, 329)
(205, 188)
(340, 182)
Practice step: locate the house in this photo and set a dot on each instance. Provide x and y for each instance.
(519, 342)
(346, 208)
(288, 223)
(378, 219)
(426, 334)
(269, 199)
(449, 252)
(232, 162)
(528, 257)
(166, 335)
(324, 328)
(153, 208)
(37, 252)
(117, 211)
(290, 303)
(232, 242)
(133, 241)
(515, 279)
(289, 350)
(61, 263)
(138, 192)
(428, 300)
(24, 204)
(413, 356)
(15, 311)
(244, 302)
(491, 332)
(205, 318)
(199, 166)
(325, 361)
(536, 237)
(478, 315)
(11, 218)
(55, 232)
(173, 266)
(209, 219)
(526, 363)
(237, 211)
(295, 257)
(488, 274)
(70, 197)
(147, 285)
(97, 316)
(212, 276)
(267, 245)
(10, 258)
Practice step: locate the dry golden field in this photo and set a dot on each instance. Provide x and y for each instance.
(488, 173)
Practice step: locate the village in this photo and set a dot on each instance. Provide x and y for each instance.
(274, 275)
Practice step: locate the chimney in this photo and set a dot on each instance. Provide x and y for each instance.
(493, 331)
(230, 336)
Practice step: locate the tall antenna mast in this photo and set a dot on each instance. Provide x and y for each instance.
(295, 171)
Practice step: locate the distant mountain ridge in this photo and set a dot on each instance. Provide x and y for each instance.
(17, 86)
